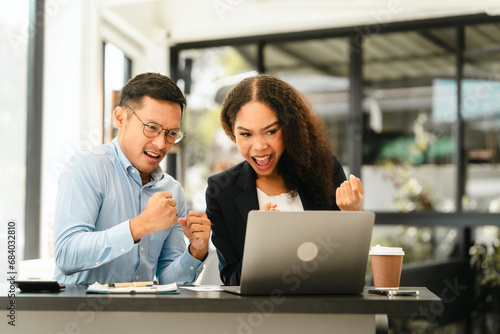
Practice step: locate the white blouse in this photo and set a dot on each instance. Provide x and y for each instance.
(285, 201)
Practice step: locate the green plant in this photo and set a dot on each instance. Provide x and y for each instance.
(485, 262)
(411, 194)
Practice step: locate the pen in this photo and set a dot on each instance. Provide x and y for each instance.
(129, 284)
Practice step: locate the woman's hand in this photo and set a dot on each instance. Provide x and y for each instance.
(350, 194)
(269, 207)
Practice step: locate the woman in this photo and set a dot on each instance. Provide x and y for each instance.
(288, 166)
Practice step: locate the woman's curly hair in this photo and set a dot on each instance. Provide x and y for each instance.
(307, 159)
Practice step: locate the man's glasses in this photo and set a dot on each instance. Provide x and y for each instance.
(153, 129)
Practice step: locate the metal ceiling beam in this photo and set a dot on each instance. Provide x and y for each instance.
(390, 60)
(493, 49)
(435, 23)
(426, 34)
(401, 83)
(320, 67)
(452, 49)
(473, 57)
(246, 55)
(283, 68)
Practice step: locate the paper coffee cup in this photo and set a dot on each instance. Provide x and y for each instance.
(386, 267)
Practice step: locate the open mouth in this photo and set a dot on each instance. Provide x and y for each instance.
(152, 156)
(263, 162)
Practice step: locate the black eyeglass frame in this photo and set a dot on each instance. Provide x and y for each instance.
(179, 134)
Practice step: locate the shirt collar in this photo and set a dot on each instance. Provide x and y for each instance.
(156, 175)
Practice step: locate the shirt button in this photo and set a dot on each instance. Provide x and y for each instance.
(137, 277)
(122, 249)
(142, 249)
(192, 268)
(133, 171)
(97, 263)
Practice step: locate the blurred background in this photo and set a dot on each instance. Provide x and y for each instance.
(410, 91)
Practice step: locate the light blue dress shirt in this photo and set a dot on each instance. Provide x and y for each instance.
(99, 192)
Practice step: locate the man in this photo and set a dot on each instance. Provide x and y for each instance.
(118, 218)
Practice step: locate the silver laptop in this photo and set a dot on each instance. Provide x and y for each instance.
(309, 252)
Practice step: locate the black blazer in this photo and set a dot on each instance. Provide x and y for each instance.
(230, 196)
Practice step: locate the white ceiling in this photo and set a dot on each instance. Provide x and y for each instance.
(196, 20)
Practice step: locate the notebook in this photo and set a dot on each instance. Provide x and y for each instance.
(309, 252)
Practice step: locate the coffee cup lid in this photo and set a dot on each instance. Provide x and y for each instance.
(381, 250)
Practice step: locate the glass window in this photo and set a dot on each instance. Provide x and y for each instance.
(117, 71)
(409, 142)
(13, 109)
(319, 69)
(409, 120)
(408, 136)
(481, 115)
(207, 75)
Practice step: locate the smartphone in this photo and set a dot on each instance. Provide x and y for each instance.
(39, 286)
(393, 293)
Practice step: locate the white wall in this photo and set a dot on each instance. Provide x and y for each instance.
(68, 104)
(13, 110)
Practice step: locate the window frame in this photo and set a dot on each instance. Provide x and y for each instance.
(460, 219)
